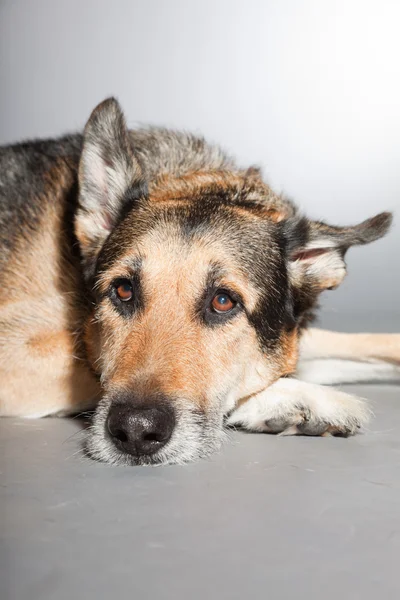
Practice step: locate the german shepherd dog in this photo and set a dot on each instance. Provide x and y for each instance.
(146, 276)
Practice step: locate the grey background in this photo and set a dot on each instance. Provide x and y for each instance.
(309, 89)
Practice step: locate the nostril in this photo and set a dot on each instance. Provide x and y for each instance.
(120, 435)
(115, 429)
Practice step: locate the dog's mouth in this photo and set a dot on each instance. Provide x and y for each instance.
(123, 435)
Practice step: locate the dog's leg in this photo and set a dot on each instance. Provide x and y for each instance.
(320, 343)
(330, 357)
(293, 407)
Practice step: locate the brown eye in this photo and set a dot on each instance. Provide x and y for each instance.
(222, 302)
(124, 290)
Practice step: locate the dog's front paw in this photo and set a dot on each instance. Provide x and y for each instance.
(305, 422)
(292, 407)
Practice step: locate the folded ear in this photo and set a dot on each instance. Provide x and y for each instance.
(316, 253)
(110, 177)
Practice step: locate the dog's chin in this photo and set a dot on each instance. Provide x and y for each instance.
(196, 435)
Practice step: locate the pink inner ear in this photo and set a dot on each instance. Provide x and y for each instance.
(309, 254)
(107, 221)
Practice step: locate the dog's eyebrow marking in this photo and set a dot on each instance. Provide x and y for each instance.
(215, 279)
(216, 276)
(127, 269)
(220, 277)
(135, 264)
(215, 272)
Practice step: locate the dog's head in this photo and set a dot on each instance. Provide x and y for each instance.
(201, 285)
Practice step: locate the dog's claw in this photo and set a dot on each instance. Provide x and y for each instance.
(292, 430)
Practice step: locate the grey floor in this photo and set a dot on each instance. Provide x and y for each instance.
(267, 517)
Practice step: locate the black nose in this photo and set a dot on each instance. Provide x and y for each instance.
(140, 430)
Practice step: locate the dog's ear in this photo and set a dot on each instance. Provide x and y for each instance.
(110, 177)
(316, 252)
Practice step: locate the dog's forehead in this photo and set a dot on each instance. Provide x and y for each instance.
(182, 236)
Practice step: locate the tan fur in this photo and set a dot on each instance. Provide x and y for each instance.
(37, 324)
(317, 343)
(289, 352)
(188, 187)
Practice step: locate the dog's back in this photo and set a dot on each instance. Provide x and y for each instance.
(26, 168)
(39, 358)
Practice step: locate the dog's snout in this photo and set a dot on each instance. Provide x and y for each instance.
(140, 430)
